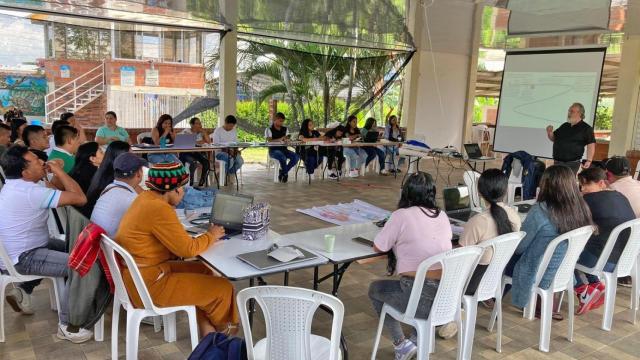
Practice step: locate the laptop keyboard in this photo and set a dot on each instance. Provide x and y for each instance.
(461, 215)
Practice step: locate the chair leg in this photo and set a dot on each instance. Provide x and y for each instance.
(133, 333)
(115, 319)
(193, 327)
(546, 309)
(98, 330)
(468, 327)
(376, 342)
(571, 297)
(498, 305)
(58, 285)
(610, 284)
(425, 341)
(635, 292)
(494, 312)
(530, 310)
(3, 287)
(157, 324)
(169, 322)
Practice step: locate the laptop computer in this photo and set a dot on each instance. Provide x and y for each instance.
(371, 137)
(227, 211)
(474, 152)
(185, 141)
(457, 203)
(262, 261)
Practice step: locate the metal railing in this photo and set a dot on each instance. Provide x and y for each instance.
(70, 95)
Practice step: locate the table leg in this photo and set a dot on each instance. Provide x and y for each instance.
(315, 278)
(252, 303)
(286, 278)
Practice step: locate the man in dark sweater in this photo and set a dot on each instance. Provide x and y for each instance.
(609, 209)
(277, 132)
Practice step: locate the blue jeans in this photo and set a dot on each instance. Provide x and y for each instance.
(197, 198)
(233, 164)
(162, 158)
(282, 155)
(396, 293)
(588, 259)
(356, 157)
(394, 152)
(372, 152)
(310, 159)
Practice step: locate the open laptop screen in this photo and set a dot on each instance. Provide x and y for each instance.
(456, 198)
(473, 150)
(228, 209)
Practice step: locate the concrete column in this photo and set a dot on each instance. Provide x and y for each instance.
(627, 96)
(228, 62)
(412, 73)
(473, 74)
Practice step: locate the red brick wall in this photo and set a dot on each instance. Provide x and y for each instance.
(77, 68)
(92, 115)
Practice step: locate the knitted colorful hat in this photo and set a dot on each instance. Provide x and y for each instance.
(166, 177)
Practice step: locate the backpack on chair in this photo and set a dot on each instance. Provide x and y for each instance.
(218, 346)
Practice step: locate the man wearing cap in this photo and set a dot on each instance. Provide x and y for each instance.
(620, 180)
(116, 198)
(570, 139)
(152, 233)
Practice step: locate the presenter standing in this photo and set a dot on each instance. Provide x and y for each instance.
(570, 139)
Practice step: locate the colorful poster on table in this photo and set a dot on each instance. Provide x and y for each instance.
(127, 76)
(65, 71)
(151, 77)
(356, 212)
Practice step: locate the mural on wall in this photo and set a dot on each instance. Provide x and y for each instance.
(24, 92)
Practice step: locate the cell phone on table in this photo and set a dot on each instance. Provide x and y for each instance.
(363, 241)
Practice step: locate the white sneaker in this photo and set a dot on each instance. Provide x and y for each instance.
(384, 172)
(19, 301)
(79, 337)
(353, 173)
(405, 350)
(448, 331)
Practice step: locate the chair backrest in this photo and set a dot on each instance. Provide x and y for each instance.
(457, 267)
(110, 248)
(288, 313)
(470, 179)
(516, 171)
(629, 253)
(6, 261)
(576, 240)
(635, 174)
(503, 247)
(143, 135)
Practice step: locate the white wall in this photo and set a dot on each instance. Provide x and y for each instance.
(441, 127)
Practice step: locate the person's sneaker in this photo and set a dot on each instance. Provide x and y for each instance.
(333, 176)
(280, 178)
(587, 296)
(384, 172)
(79, 337)
(600, 286)
(353, 173)
(625, 281)
(405, 350)
(285, 178)
(448, 331)
(19, 301)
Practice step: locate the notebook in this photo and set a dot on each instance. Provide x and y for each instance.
(262, 261)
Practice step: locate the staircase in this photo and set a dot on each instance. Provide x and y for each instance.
(76, 94)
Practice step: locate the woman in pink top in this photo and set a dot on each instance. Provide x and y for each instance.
(415, 232)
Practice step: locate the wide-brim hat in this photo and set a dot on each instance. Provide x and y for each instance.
(166, 177)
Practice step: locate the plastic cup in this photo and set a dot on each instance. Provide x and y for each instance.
(329, 242)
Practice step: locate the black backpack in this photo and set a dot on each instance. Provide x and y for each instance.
(218, 346)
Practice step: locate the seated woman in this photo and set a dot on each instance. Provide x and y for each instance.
(334, 153)
(88, 159)
(559, 209)
(310, 153)
(163, 134)
(609, 209)
(415, 232)
(151, 232)
(195, 158)
(373, 151)
(356, 155)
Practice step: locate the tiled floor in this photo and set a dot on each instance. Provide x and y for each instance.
(33, 337)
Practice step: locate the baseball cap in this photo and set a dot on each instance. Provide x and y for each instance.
(126, 164)
(618, 165)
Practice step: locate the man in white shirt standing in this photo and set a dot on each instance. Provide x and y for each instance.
(116, 198)
(226, 134)
(24, 204)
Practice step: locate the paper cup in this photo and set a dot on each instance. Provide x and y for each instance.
(329, 242)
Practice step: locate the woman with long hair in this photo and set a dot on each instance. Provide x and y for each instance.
(310, 154)
(356, 156)
(163, 134)
(373, 151)
(17, 125)
(335, 154)
(560, 208)
(88, 159)
(104, 175)
(415, 232)
(392, 132)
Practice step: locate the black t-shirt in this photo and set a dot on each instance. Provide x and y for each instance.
(570, 141)
(608, 210)
(277, 134)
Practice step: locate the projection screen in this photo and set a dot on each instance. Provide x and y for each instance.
(538, 87)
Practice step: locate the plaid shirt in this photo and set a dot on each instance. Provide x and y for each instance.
(87, 250)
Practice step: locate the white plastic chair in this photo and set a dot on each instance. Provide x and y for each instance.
(470, 179)
(288, 314)
(635, 174)
(457, 267)
(134, 315)
(515, 181)
(489, 287)
(143, 135)
(562, 281)
(15, 277)
(222, 173)
(627, 266)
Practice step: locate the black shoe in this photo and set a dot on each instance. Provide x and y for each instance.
(285, 178)
(280, 178)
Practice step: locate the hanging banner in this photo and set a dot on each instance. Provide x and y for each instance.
(151, 77)
(65, 71)
(127, 76)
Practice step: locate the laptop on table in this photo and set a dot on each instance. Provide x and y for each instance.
(475, 153)
(457, 203)
(227, 211)
(185, 141)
